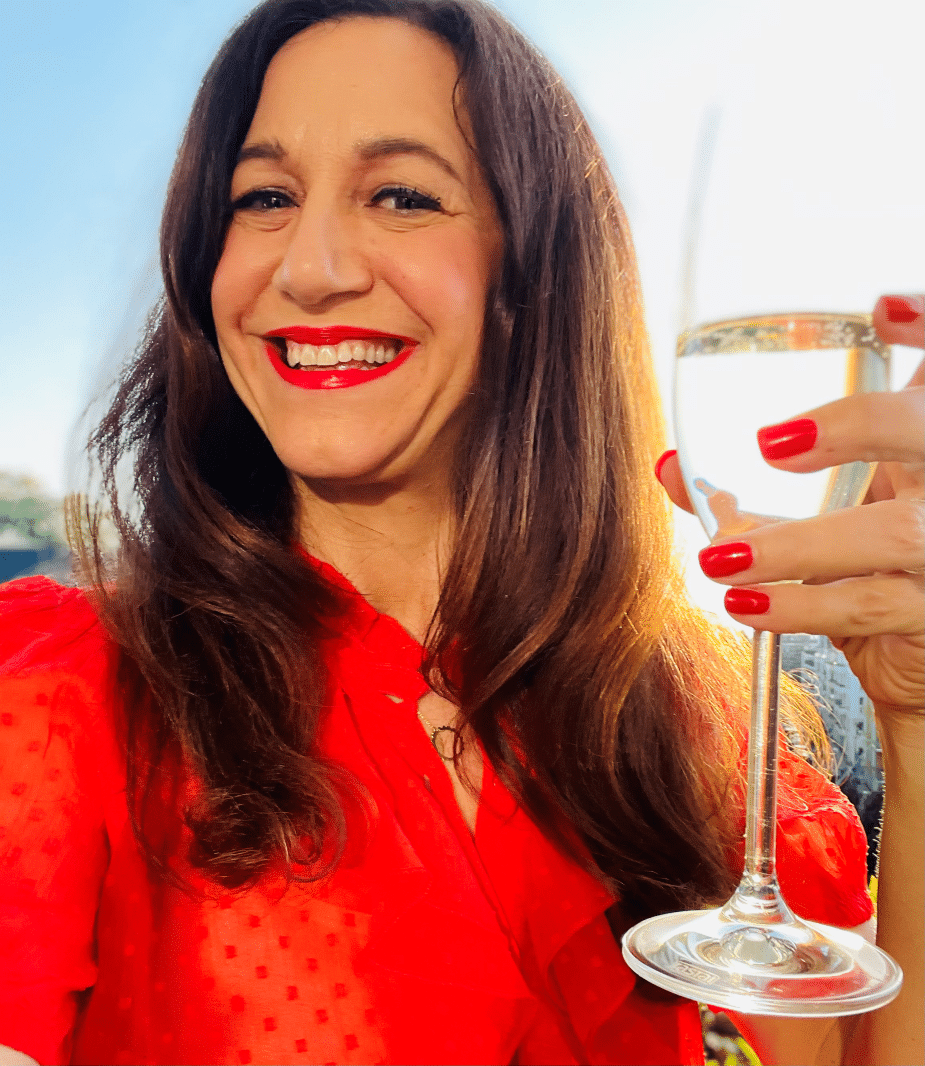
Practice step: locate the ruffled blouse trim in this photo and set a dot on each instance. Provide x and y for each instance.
(566, 946)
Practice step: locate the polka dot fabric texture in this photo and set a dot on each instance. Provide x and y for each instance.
(428, 945)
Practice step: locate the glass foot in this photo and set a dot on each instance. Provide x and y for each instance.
(787, 970)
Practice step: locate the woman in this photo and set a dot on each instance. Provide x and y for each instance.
(397, 395)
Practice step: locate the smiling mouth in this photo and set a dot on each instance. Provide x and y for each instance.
(335, 357)
(347, 355)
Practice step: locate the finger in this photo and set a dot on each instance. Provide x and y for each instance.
(879, 538)
(857, 607)
(870, 427)
(901, 320)
(668, 472)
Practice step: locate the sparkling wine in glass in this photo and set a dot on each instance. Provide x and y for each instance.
(754, 954)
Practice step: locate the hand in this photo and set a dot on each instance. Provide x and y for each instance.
(861, 569)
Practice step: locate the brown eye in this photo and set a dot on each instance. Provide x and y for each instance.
(263, 200)
(404, 199)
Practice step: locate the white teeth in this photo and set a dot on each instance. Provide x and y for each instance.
(310, 355)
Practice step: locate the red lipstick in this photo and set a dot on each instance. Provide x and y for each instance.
(330, 377)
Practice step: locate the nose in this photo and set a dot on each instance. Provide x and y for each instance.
(324, 258)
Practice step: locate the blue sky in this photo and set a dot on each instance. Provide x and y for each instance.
(96, 93)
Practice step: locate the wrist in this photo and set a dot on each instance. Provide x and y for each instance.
(901, 727)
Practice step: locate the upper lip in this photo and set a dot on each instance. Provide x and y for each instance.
(320, 335)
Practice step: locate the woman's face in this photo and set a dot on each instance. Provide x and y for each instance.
(350, 294)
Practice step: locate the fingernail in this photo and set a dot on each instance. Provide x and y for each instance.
(788, 438)
(721, 560)
(901, 309)
(662, 460)
(746, 601)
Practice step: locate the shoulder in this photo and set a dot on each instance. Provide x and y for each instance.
(49, 628)
(821, 848)
(57, 697)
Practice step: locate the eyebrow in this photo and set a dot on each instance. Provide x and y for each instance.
(368, 151)
(271, 150)
(386, 146)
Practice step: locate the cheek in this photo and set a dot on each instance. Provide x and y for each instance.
(239, 279)
(448, 285)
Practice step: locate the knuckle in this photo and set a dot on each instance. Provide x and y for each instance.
(907, 531)
(874, 606)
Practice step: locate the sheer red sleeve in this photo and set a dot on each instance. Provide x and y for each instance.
(53, 782)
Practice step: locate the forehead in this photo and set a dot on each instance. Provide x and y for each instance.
(343, 82)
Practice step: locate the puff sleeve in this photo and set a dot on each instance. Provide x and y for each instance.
(56, 767)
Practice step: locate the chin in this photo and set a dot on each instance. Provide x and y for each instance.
(356, 468)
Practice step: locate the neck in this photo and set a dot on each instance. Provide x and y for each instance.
(390, 542)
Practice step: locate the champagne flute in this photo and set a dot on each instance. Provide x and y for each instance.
(754, 954)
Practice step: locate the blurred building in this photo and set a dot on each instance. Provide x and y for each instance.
(846, 711)
(32, 538)
(20, 554)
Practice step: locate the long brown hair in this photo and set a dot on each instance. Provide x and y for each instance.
(598, 694)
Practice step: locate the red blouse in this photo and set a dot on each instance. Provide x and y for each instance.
(427, 945)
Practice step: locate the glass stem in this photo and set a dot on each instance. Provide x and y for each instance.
(761, 802)
(758, 898)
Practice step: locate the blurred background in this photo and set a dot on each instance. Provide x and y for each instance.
(96, 94)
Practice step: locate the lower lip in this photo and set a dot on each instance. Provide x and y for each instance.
(331, 378)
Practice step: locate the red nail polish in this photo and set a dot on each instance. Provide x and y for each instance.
(722, 560)
(662, 460)
(788, 438)
(746, 601)
(901, 309)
